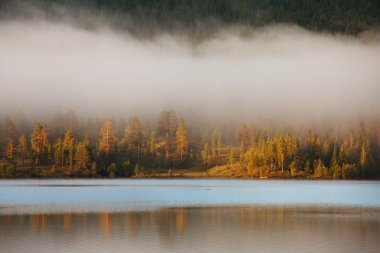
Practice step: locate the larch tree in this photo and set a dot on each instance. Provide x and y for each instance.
(39, 142)
(82, 154)
(182, 141)
(58, 152)
(205, 154)
(107, 137)
(334, 165)
(363, 160)
(280, 152)
(10, 151)
(231, 156)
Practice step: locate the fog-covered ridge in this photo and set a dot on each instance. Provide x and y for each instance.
(49, 66)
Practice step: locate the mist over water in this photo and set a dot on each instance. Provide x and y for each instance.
(276, 70)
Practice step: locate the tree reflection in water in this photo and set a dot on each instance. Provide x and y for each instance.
(212, 229)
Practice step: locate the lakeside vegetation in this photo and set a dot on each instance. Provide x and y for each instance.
(68, 146)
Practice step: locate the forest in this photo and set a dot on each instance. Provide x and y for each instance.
(200, 17)
(66, 145)
(79, 54)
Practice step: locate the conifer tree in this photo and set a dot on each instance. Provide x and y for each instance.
(244, 137)
(39, 142)
(82, 156)
(205, 154)
(231, 156)
(107, 137)
(280, 153)
(133, 136)
(68, 149)
(334, 165)
(58, 152)
(10, 152)
(22, 148)
(181, 140)
(219, 146)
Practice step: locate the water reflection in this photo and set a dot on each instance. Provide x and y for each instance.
(39, 222)
(211, 229)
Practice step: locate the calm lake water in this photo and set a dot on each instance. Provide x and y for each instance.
(189, 216)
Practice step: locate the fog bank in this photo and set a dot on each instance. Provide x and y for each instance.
(47, 67)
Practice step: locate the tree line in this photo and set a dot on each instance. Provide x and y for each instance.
(336, 16)
(66, 146)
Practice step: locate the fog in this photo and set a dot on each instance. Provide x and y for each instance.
(276, 70)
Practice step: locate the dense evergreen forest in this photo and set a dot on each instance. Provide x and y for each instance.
(204, 16)
(69, 146)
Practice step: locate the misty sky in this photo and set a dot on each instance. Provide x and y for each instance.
(47, 67)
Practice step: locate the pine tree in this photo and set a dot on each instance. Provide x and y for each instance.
(181, 140)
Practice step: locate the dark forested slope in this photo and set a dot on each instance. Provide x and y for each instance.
(335, 16)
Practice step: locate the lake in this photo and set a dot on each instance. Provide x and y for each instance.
(172, 215)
